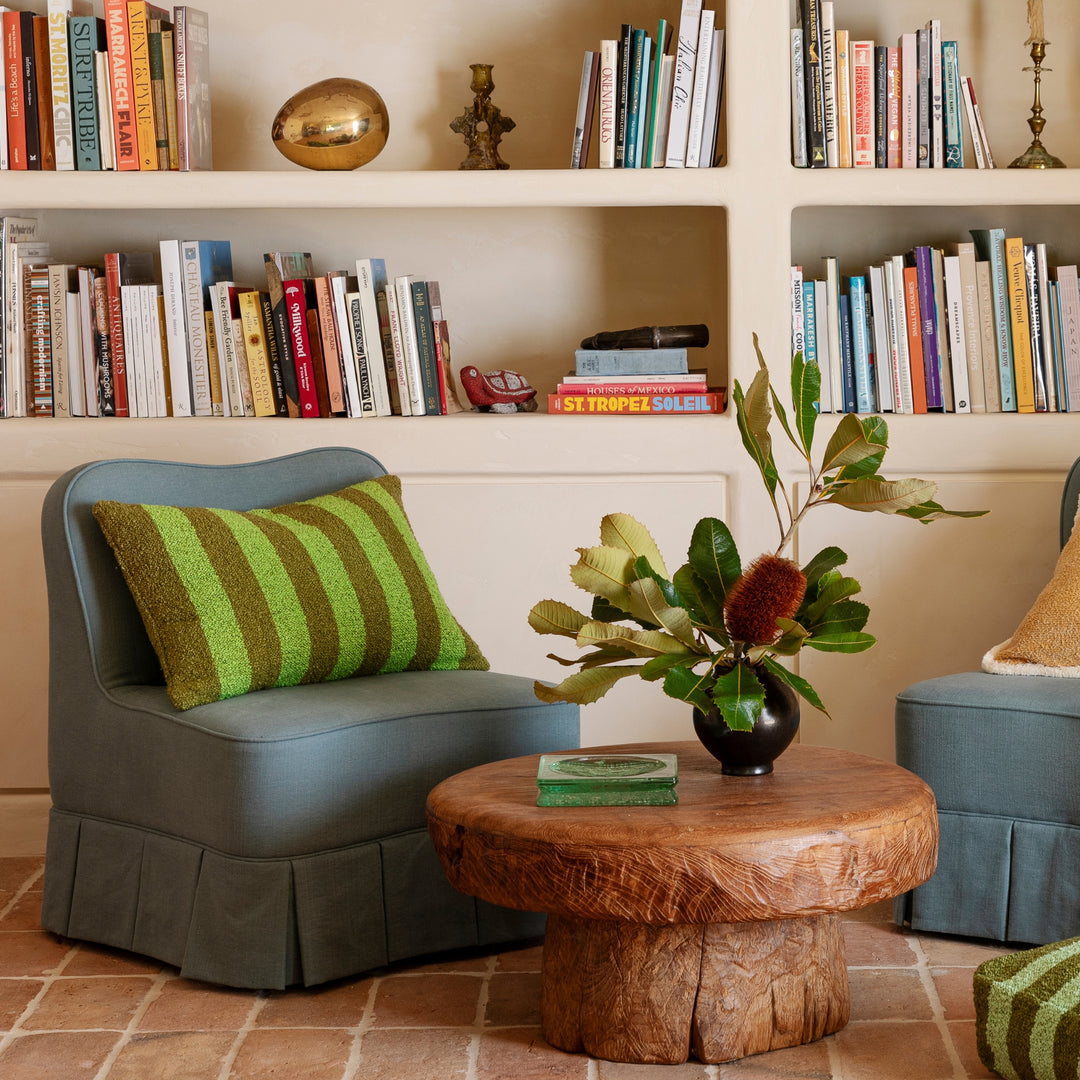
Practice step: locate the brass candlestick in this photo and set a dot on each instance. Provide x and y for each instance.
(1036, 156)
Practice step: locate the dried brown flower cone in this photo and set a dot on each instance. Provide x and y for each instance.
(771, 588)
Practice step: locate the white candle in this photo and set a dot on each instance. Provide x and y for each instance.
(1036, 32)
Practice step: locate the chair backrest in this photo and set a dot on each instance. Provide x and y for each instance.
(1069, 499)
(95, 630)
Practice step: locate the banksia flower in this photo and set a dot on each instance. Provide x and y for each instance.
(771, 588)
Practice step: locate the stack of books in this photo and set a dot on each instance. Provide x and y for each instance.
(173, 333)
(647, 382)
(129, 91)
(654, 102)
(984, 325)
(862, 104)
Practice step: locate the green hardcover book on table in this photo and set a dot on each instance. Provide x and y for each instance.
(607, 780)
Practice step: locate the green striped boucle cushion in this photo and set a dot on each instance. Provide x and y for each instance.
(323, 589)
(1027, 1012)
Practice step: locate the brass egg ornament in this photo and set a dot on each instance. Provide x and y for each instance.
(337, 123)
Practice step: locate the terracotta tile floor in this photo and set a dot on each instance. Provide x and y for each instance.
(70, 1011)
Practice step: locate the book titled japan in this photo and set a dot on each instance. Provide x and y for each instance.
(192, 42)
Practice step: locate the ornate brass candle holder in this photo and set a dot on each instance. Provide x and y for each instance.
(1036, 156)
(482, 124)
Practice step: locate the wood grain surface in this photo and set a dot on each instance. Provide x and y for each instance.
(828, 830)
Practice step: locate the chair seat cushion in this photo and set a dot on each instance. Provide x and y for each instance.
(1027, 1012)
(322, 589)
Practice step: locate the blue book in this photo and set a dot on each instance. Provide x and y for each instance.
(86, 33)
(847, 361)
(990, 245)
(860, 345)
(425, 346)
(630, 362)
(633, 98)
(930, 322)
(809, 306)
(643, 105)
(954, 135)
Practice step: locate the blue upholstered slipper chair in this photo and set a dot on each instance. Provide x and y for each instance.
(1002, 755)
(276, 836)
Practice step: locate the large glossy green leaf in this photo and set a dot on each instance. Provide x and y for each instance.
(797, 683)
(643, 571)
(792, 638)
(647, 601)
(643, 643)
(714, 557)
(832, 588)
(628, 534)
(931, 511)
(841, 617)
(846, 643)
(753, 413)
(873, 494)
(825, 560)
(876, 433)
(604, 571)
(659, 666)
(848, 445)
(705, 607)
(553, 617)
(584, 687)
(739, 696)
(805, 396)
(684, 684)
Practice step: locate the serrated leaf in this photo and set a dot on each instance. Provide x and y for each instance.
(641, 643)
(740, 697)
(647, 601)
(797, 683)
(553, 617)
(604, 571)
(684, 684)
(584, 687)
(873, 494)
(628, 534)
(848, 445)
(714, 557)
(792, 638)
(845, 643)
(805, 396)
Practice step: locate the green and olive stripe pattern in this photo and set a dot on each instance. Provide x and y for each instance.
(328, 588)
(1027, 1013)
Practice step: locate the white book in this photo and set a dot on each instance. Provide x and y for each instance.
(1069, 302)
(410, 350)
(909, 101)
(156, 356)
(972, 123)
(699, 96)
(988, 336)
(339, 289)
(1049, 331)
(798, 101)
(86, 340)
(937, 97)
(384, 295)
(713, 97)
(605, 130)
(832, 306)
(969, 86)
(879, 337)
(842, 68)
(106, 136)
(407, 378)
(663, 110)
(969, 293)
(582, 111)
(195, 321)
(172, 291)
(58, 12)
(369, 314)
(134, 357)
(821, 336)
(13, 230)
(828, 83)
(74, 355)
(683, 86)
(360, 351)
(798, 327)
(954, 306)
(898, 342)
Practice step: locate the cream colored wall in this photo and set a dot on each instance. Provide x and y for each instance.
(533, 259)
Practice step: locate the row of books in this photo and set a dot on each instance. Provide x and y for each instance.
(985, 325)
(646, 382)
(862, 104)
(653, 108)
(172, 333)
(125, 92)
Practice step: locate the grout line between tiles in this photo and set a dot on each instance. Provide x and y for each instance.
(151, 995)
(245, 1029)
(22, 891)
(923, 967)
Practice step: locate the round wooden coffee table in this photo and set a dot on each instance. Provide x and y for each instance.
(708, 927)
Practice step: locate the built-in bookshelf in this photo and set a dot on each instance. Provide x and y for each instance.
(535, 258)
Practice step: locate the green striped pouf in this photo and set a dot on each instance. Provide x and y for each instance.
(1027, 1013)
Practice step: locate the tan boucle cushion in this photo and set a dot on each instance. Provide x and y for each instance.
(1047, 641)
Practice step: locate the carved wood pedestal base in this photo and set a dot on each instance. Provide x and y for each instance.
(653, 994)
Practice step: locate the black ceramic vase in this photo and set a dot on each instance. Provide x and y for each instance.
(752, 753)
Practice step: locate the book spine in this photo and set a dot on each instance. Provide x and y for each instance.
(663, 35)
(1069, 297)
(60, 82)
(273, 355)
(809, 303)
(360, 350)
(894, 96)
(957, 331)
(409, 349)
(925, 150)
(382, 367)
(881, 106)
(913, 307)
(15, 94)
(578, 148)
(195, 322)
(609, 69)
(881, 355)
(667, 83)
(333, 357)
(172, 288)
(831, 267)
(988, 336)
(282, 335)
(622, 87)
(863, 149)
(384, 299)
(830, 90)
(83, 34)
(168, 63)
(990, 245)
(637, 404)
(909, 103)
(696, 123)
(983, 140)
(847, 356)
(683, 87)
(116, 332)
(973, 126)
(815, 87)
(969, 298)
(860, 345)
(232, 399)
(1020, 324)
(318, 359)
(798, 100)
(1044, 290)
(929, 315)
(154, 39)
(258, 361)
(102, 356)
(125, 137)
(40, 388)
(632, 386)
(936, 92)
(60, 334)
(32, 105)
(898, 335)
(85, 315)
(294, 292)
(844, 111)
(798, 323)
(630, 361)
(954, 137)
(103, 94)
(1037, 331)
(633, 99)
(142, 95)
(425, 344)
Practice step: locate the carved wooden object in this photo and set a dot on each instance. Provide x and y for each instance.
(708, 926)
